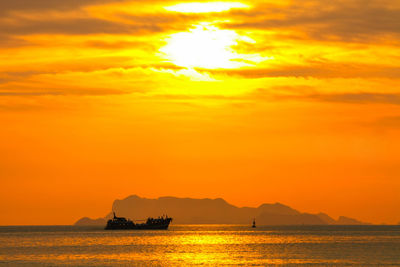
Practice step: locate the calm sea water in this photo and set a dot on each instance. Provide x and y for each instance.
(201, 245)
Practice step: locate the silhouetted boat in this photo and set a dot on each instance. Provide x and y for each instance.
(121, 223)
(254, 223)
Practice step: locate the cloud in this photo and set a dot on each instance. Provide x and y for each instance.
(74, 26)
(72, 91)
(317, 70)
(350, 20)
(346, 20)
(96, 80)
(12, 42)
(9, 76)
(361, 98)
(45, 5)
(308, 93)
(388, 122)
(84, 23)
(112, 45)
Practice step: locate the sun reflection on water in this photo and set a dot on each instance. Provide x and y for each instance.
(198, 245)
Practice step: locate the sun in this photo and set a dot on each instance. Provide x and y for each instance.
(205, 46)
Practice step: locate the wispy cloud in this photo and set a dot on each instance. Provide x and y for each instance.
(350, 20)
(302, 93)
(46, 5)
(318, 70)
(75, 26)
(392, 122)
(361, 98)
(311, 39)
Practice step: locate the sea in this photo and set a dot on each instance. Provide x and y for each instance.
(207, 245)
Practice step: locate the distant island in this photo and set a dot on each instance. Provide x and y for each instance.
(214, 211)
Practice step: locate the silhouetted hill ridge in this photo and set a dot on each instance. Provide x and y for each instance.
(278, 208)
(348, 221)
(88, 221)
(213, 211)
(326, 218)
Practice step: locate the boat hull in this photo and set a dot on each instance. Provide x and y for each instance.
(160, 224)
(137, 227)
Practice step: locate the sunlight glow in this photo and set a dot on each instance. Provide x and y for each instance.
(208, 47)
(198, 7)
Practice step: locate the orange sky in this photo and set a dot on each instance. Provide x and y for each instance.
(295, 102)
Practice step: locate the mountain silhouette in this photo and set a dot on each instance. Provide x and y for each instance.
(326, 218)
(88, 221)
(213, 211)
(347, 221)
